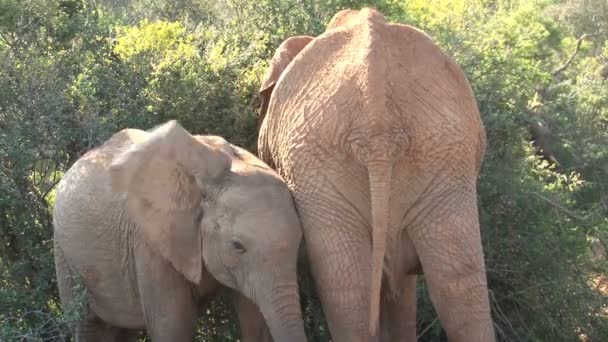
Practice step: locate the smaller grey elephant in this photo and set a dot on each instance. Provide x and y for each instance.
(157, 222)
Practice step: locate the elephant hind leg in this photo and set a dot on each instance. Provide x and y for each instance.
(70, 299)
(339, 252)
(89, 327)
(93, 329)
(65, 279)
(448, 243)
(126, 335)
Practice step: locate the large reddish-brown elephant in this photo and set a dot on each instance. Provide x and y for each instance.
(378, 134)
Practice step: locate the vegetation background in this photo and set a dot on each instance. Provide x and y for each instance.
(72, 72)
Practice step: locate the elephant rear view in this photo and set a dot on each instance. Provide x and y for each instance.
(154, 223)
(378, 134)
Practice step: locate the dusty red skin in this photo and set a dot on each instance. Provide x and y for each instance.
(378, 134)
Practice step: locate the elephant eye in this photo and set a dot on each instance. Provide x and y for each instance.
(238, 246)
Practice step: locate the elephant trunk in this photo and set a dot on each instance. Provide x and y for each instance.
(281, 309)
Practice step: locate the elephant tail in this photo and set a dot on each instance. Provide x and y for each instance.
(380, 175)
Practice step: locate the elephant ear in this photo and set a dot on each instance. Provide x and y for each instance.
(285, 53)
(163, 178)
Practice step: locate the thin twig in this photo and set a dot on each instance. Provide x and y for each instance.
(428, 327)
(560, 207)
(501, 314)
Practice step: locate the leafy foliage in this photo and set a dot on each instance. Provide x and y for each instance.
(72, 72)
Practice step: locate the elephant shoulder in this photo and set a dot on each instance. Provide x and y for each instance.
(88, 175)
(113, 147)
(125, 138)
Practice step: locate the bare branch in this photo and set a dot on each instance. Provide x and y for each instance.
(428, 327)
(8, 41)
(569, 213)
(579, 42)
(51, 187)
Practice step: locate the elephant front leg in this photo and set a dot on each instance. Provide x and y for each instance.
(252, 323)
(339, 251)
(449, 246)
(169, 303)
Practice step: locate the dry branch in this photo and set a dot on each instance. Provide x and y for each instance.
(569, 213)
(557, 72)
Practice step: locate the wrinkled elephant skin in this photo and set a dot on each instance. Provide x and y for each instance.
(156, 222)
(378, 134)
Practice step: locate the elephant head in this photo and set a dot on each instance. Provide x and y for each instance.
(207, 206)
